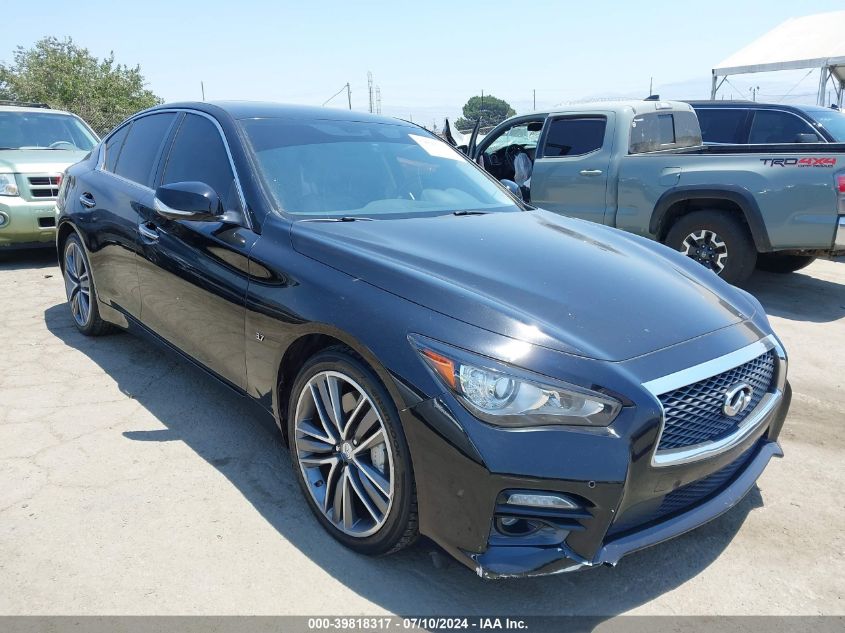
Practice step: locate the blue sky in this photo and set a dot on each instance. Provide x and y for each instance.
(427, 57)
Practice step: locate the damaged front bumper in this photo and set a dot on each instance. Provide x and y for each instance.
(461, 503)
(510, 561)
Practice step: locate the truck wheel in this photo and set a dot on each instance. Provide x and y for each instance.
(717, 240)
(782, 263)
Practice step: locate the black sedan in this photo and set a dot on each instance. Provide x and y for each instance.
(535, 393)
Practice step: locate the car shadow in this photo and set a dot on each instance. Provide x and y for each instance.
(29, 258)
(242, 442)
(798, 296)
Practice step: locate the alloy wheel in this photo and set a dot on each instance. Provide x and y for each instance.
(707, 248)
(77, 283)
(344, 453)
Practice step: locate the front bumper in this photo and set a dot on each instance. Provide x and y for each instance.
(25, 223)
(459, 498)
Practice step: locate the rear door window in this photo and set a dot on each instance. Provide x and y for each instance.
(141, 147)
(574, 136)
(722, 126)
(776, 126)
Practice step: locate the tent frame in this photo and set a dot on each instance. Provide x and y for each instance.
(831, 70)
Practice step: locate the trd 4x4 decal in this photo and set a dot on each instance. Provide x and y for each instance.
(799, 162)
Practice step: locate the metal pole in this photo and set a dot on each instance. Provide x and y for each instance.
(202, 87)
(349, 94)
(713, 87)
(535, 98)
(822, 84)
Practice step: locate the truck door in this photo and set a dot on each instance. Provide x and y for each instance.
(570, 173)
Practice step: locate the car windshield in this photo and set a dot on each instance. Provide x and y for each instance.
(833, 122)
(44, 130)
(327, 168)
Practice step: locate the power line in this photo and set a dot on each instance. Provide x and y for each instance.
(797, 83)
(348, 95)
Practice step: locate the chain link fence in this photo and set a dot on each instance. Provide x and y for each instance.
(102, 122)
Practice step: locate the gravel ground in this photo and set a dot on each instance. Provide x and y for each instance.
(131, 483)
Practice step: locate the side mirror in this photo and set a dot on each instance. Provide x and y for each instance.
(511, 186)
(807, 138)
(194, 201)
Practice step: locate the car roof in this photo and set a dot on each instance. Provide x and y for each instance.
(34, 110)
(639, 106)
(269, 110)
(753, 105)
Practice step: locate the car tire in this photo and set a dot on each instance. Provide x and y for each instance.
(719, 240)
(373, 523)
(80, 290)
(783, 263)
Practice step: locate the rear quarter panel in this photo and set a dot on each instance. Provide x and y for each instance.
(797, 198)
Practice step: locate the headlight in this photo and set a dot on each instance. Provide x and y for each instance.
(497, 394)
(8, 186)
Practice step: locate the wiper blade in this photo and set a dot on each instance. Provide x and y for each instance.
(344, 218)
(468, 212)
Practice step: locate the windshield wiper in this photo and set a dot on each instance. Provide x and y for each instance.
(468, 212)
(344, 218)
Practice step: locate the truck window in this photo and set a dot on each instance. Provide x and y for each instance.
(574, 136)
(776, 126)
(722, 126)
(663, 130)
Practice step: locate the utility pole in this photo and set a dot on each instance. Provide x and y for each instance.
(202, 87)
(650, 86)
(378, 99)
(535, 98)
(370, 89)
(349, 94)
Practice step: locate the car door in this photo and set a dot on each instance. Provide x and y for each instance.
(570, 174)
(114, 196)
(498, 150)
(193, 275)
(778, 126)
(724, 126)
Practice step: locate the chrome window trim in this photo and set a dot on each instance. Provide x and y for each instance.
(241, 198)
(708, 369)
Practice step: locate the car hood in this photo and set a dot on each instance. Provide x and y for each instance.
(535, 276)
(37, 161)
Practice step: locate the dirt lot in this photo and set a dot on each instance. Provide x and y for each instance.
(132, 483)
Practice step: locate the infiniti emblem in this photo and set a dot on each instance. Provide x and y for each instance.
(737, 399)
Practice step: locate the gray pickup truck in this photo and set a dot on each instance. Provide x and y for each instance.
(641, 166)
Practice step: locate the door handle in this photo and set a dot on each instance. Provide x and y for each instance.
(591, 172)
(87, 200)
(148, 231)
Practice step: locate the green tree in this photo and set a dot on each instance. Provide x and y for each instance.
(69, 77)
(488, 108)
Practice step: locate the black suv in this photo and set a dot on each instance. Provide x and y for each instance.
(748, 122)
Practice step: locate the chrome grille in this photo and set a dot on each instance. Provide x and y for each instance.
(44, 186)
(693, 413)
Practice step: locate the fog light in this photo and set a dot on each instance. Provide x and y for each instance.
(4, 219)
(559, 502)
(512, 526)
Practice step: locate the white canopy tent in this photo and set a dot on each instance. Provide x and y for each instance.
(813, 41)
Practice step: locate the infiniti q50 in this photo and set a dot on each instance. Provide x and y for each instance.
(534, 393)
